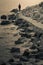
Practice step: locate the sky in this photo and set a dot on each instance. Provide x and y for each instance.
(7, 5)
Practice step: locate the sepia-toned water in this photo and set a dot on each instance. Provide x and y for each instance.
(7, 40)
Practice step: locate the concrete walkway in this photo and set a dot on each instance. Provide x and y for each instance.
(28, 19)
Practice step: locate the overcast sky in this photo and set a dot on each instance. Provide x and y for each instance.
(7, 5)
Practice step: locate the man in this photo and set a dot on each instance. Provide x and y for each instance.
(19, 6)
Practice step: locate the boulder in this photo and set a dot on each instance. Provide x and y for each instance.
(21, 40)
(33, 47)
(25, 56)
(26, 53)
(15, 50)
(11, 17)
(41, 4)
(11, 61)
(18, 42)
(17, 55)
(14, 10)
(25, 35)
(39, 56)
(3, 17)
(5, 22)
(3, 63)
(38, 35)
(20, 22)
(24, 59)
(16, 63)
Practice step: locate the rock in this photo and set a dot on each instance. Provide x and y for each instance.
(16, 63)
(41, 55)
(25, 56)
(11, 17)
(3, 17)
(13, 21)
(17, 55)
(26, 53)
(19, 63)
(15, 50)
(16, 34)
(3, 63)
(40, 49)
(20, 22)
(20, 40)
(37, 60)
(10, 61)
(41, 4)
(22, 30)
(14, 10)
(25, 35)
(24, 25)
(38, 35)
(5, 22)
(24, 59)
(33, 47)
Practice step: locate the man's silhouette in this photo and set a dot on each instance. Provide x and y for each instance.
(19, 6)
